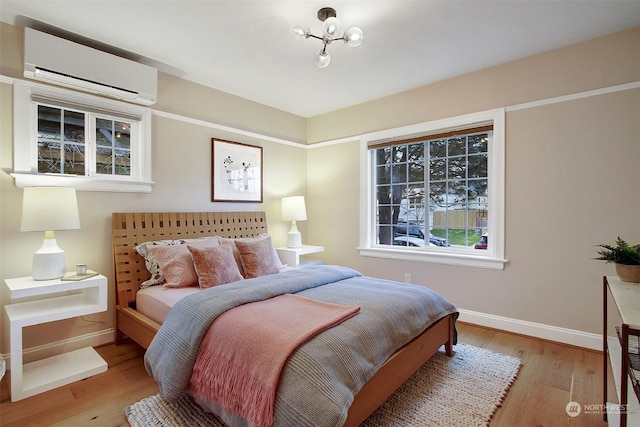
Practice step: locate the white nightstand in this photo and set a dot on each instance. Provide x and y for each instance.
(291, 256)
(51, 300)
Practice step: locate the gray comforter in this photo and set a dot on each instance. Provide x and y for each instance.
(320, 379)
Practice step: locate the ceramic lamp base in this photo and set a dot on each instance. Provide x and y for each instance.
(294, 238)
(48, 261)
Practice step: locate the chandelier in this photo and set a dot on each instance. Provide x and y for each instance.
(331, 32)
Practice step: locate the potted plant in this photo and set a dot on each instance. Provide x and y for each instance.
(626, 258)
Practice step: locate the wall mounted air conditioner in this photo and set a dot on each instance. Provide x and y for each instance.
(62, 62)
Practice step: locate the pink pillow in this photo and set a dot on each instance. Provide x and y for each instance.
(215, 266)
(157, 278)
(176, 264)
(238, 257)
(231, 244)
(258, 257)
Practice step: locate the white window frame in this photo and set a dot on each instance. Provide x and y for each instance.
(493, 257)
(25, 140)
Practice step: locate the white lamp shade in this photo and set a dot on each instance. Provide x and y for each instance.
(293, 209)
(49, 209)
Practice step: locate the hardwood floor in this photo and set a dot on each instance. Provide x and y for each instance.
(95, 401)
(542, 389)
(537, 398)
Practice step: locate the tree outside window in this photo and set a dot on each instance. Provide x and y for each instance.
(435, 190)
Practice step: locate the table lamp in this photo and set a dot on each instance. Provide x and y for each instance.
(49, 209)
(293, 209)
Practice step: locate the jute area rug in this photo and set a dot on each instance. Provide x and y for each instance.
(463, 390)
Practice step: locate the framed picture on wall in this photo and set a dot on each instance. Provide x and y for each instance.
(236, 172)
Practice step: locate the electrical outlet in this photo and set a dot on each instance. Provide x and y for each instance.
(407, 277)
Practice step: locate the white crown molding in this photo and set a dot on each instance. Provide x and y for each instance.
(516, 107)
(224, 128)
(574, 96)
(532, 104)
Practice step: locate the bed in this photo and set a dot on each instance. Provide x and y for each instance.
(132, 229)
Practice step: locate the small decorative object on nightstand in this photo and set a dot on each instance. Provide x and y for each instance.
(291, 256)
(48, 301)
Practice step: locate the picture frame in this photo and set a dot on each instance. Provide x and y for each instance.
(236, 172)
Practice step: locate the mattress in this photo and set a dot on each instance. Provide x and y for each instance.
(156, 301)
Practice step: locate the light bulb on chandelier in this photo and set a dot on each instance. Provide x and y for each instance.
(331, 31)
(332, 27)
(322, 59)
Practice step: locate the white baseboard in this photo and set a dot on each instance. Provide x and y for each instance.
(92, 339)
(538, 330)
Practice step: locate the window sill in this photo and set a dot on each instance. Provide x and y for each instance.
(81, 183)
(459, 259)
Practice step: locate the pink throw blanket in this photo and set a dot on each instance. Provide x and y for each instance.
(243, 353)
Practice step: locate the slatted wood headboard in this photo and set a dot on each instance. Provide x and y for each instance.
(129, 229)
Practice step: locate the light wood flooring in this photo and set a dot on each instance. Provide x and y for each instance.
(537, 398)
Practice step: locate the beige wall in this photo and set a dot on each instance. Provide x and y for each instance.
(572, 175)
(181, 161)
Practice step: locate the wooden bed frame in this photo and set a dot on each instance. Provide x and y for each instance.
(132, 228)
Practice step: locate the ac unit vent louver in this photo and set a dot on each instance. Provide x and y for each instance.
(58, 61)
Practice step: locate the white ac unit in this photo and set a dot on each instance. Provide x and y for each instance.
(65, 63)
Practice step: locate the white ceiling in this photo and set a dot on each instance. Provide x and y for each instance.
(245, 48)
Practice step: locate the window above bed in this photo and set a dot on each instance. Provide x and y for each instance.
(66, 138)
(434, 192)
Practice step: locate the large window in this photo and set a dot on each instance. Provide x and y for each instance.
(71, 139)
(435, 192)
